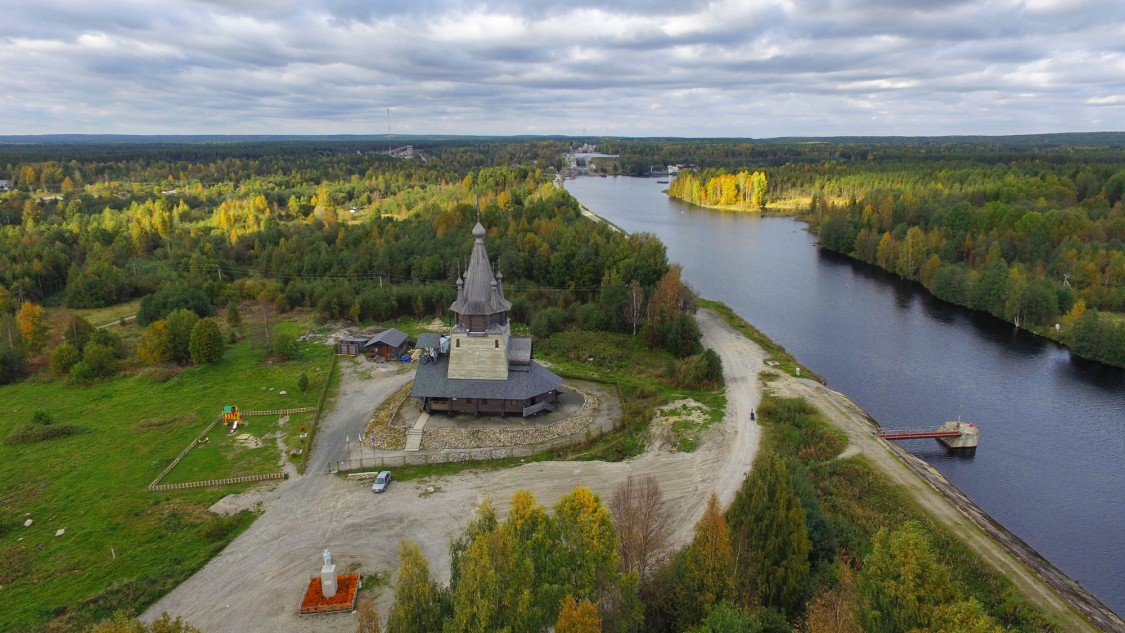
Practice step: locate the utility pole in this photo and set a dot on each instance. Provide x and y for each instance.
(266, 323)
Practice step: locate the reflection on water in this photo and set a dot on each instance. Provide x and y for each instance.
(1052, 427)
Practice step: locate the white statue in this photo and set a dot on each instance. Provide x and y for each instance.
(327, 559)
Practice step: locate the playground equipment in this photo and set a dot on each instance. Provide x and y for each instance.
(232, 417)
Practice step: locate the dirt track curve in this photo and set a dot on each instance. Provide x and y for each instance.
(256, 583)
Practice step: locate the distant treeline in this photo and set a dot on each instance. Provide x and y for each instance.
(1029, 229)
(354, 236)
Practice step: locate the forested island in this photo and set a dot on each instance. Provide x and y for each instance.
(223, 251)
(1028, 229)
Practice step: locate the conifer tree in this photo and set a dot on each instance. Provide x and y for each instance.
(706, 575)
(770, 537)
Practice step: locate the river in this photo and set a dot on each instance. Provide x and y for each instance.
(1049, 466)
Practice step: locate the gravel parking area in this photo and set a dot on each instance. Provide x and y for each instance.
(257, 581)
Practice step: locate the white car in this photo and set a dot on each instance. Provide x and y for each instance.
(382, 480)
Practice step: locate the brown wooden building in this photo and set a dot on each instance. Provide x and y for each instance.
(479, 367)
(386, 345)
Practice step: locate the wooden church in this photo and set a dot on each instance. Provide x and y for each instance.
(479, 367)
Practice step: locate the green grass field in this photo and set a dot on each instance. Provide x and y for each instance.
(110, 314)
(124, 547)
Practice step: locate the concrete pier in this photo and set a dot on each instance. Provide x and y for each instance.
(966, 442)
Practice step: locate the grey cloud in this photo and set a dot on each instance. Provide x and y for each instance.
(459, 66)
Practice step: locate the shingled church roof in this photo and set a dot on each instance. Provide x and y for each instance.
(479, 292)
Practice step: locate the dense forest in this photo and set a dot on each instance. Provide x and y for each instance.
(341, 229)
(195, 230)
(1030, 230)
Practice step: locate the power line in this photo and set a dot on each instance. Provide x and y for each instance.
(248, 271)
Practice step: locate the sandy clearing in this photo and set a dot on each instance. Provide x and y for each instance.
(257, 581)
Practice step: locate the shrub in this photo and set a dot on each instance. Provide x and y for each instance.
(101, 359)
(206, 342)
(180, 324)
(42, 417)
(701, 370)
(82, 372)
(110, 339)
(13, 364)
(547, 322)
(30, 433)
(232, 315)
(303, 382)
(285, 346)
(63, 358)
(161, 303)
(78, 331)
(155, 347)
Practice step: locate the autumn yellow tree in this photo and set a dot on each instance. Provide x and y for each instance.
(967, 616)
(706, 577)
(578, 616)
(32, 322)
(836, 609)
(418, 600)
(902, 581)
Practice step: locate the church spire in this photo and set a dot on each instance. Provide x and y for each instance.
(480, 295)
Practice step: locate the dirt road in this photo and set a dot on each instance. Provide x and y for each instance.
(256, 583)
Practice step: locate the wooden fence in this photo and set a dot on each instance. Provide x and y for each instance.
(183, 454)
(217, 482)
(281, 411)
(156, 485)
(316, 419)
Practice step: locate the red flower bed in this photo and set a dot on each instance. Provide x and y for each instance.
(347, 587)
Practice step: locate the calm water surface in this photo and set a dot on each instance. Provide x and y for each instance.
(1049, 466)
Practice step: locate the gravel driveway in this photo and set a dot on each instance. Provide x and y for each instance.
(256, 583)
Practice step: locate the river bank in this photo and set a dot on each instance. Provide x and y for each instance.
(1038, 579)
(1048, 467)
(1063, 335)
(1044, 584)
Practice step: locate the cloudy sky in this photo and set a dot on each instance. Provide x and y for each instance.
(757, 68)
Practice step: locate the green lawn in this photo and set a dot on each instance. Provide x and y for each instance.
(110, 314)
(124, 547)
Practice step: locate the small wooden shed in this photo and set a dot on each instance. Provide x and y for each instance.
(351, 344)
(386, 345)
